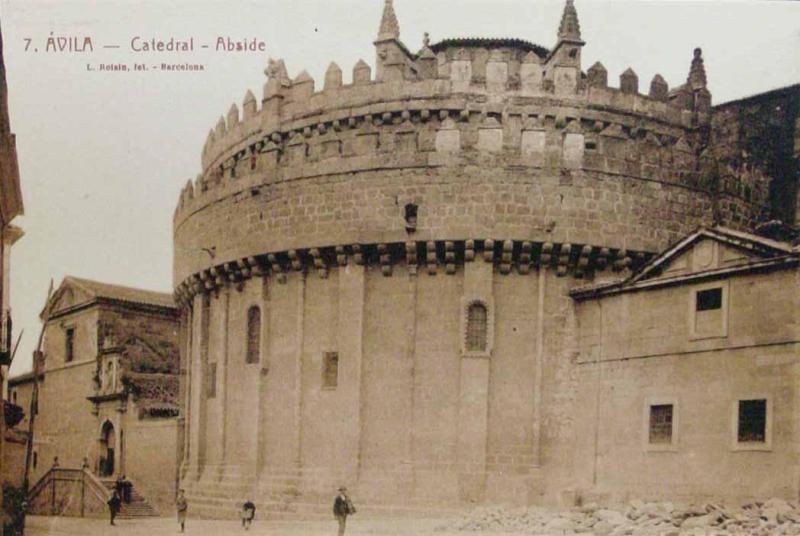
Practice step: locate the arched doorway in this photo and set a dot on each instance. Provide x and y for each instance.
(107, 446)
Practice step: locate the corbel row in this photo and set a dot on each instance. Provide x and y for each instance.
(506, 255)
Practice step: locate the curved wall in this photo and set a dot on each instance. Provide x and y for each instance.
(521, 171)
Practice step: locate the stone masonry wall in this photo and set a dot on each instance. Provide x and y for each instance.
(756, 138)
(630, 357)
(413, 419)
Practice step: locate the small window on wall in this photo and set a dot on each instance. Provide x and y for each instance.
(330, 370)
(752, 421)
(477, 317)
(709, 299)
(661, 424)
(253, 335)
(69, 345)
(708, 311)
(211, 386)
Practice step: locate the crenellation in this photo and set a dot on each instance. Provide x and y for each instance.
(249, 105)
(362, 73)
(629, 82)
(302, 87)
(659, 90)
(220, 130)
(333, 77)
(298, 124)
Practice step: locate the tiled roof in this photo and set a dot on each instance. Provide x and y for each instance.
(490, 42)
(121, 293)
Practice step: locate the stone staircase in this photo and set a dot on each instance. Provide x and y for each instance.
(283, 497)
(137, 508)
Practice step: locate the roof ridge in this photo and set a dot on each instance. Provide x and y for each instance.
(114, 285)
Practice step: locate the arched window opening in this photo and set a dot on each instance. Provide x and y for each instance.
(107, 447)
(253, 335)
(476, 328)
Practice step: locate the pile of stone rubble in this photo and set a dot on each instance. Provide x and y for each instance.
(638, 518)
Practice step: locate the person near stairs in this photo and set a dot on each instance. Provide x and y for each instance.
(127, 487)
(114, 504)
(183, 507)
(119, 484)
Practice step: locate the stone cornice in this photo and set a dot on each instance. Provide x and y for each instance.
(433, 257)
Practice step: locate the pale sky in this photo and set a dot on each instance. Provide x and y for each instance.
(103, 156)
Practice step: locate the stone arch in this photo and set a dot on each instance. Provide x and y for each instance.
(107, 446)
(477, 327)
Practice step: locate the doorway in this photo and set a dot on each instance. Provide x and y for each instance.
(107, 446)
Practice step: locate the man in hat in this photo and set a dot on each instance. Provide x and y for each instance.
(342, 507)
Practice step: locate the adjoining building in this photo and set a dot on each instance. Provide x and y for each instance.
(109, 386)
(383, 284)
(11, 206)
(688, 373)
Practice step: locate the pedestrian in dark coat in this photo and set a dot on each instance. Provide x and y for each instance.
(119, 486)
(342, 507)
(248, 514)
(114, 504)
(127, 487)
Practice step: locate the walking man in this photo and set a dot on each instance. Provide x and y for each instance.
(182, 506)
(248, 514)
(342, 507)
(114, 504)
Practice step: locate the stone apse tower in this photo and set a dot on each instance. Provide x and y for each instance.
(374, 276)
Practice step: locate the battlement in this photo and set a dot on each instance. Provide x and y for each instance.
(337, 130)
(515, 82)
(457, 109)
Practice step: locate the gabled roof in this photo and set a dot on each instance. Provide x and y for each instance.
(126, 294)
(93, 291)
(762, 253)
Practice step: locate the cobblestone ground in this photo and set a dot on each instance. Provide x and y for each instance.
(40, 526)
(774, 517)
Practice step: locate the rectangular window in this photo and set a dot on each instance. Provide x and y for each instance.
(69, 350)
(330, 370)
(211, 386)
(752, 421)
(661, 423)
(709, 300)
